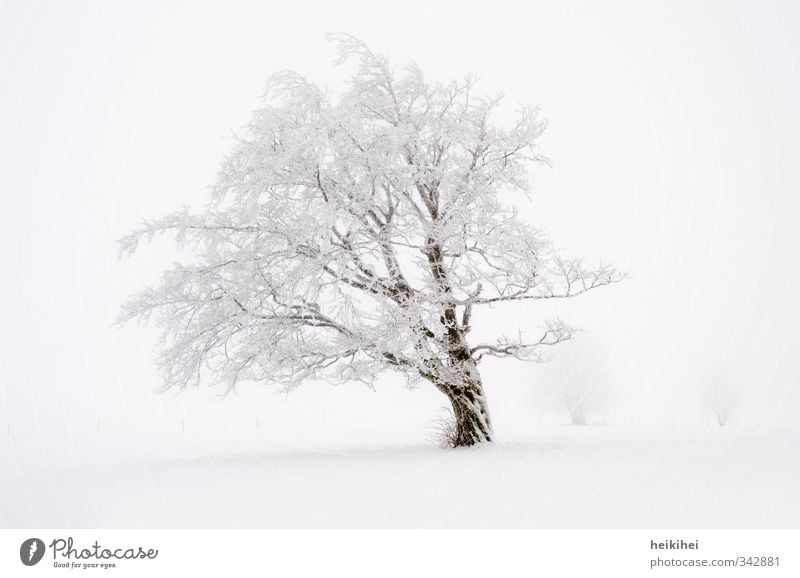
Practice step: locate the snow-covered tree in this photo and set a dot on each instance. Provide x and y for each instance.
(351, 235)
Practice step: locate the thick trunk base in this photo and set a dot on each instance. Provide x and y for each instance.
(473, 424)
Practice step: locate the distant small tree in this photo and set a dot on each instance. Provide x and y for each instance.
(722, 398)
(349, 236)
(575, 380)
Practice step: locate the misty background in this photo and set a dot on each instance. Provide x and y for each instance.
(673, 134)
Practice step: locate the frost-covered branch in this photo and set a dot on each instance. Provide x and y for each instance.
(555, 332)
(565, 279)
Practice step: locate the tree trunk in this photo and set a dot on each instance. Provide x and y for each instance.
(473, 424)
(458, 379)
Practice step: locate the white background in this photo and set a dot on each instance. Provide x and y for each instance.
(673, 131)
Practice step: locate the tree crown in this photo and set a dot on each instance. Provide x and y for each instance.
(347, 236)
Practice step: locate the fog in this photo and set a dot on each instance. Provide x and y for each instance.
(673, 135)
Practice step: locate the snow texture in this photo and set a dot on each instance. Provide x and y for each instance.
(560, 476)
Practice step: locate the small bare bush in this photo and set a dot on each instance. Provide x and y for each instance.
(444, 429)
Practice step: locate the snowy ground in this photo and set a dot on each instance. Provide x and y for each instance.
(557, 476)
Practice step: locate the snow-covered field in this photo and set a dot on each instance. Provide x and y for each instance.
(553, 476)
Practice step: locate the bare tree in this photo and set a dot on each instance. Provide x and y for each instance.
(722, 398)
(576, 380)
(347, 236)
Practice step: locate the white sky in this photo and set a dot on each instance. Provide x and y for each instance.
(674, 135)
